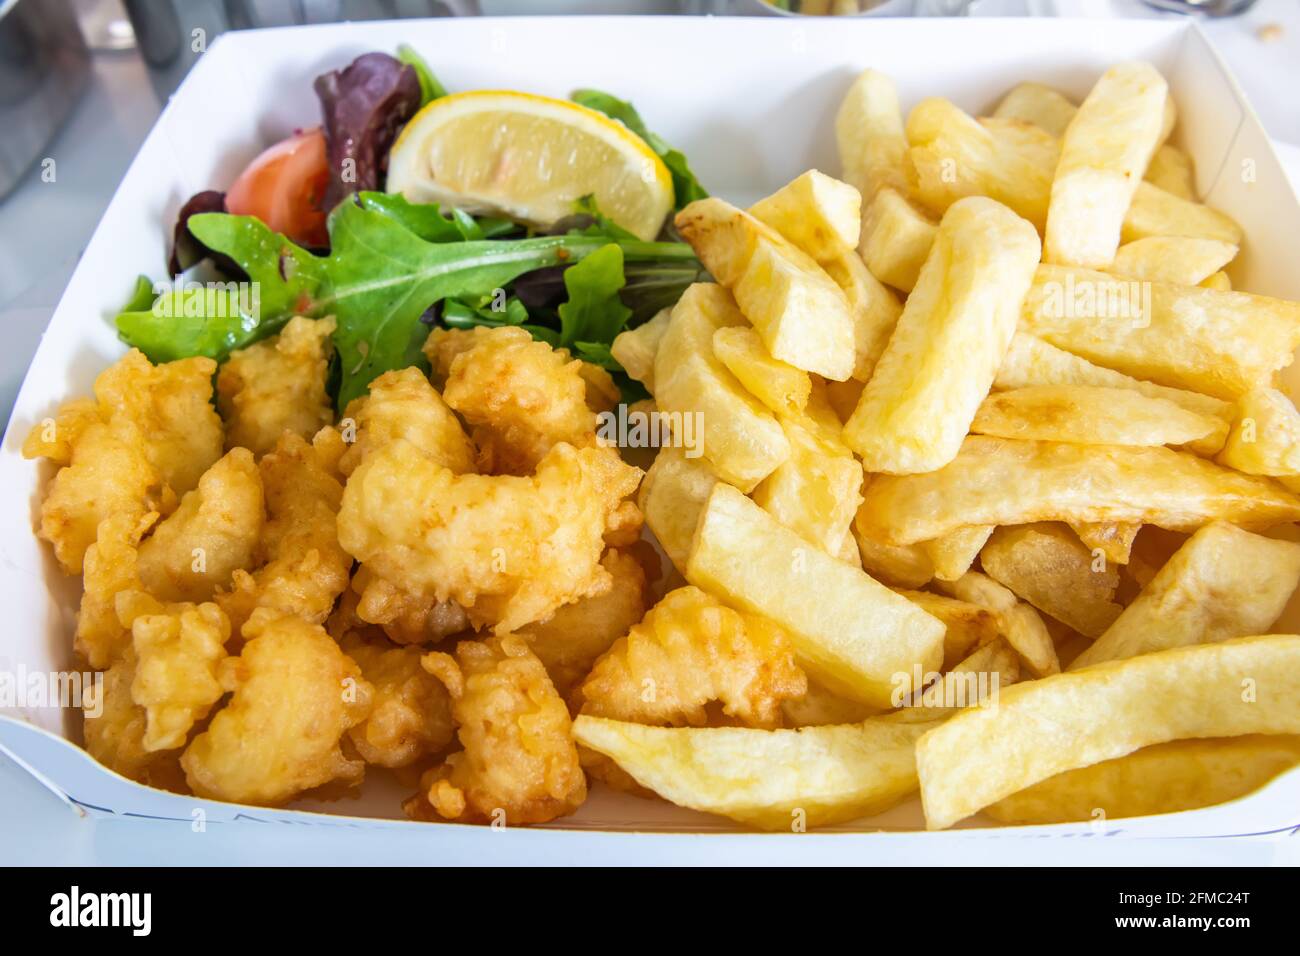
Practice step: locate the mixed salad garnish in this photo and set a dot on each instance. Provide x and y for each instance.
(310, 223)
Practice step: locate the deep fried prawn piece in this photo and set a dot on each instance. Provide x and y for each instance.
(212, 534)
(521, 396)
(278, 385)
(443, 345)
(178, 651)
(171, 404)
(146, 438)
(687, 653)
(114, 729)
(509, 550)
(406, 618)
(411, 716)
(55, 438)
(402, 404)
(110, 569)
(571, 639)
(303, 568)
(115, 737)
(603, 393)
(108, 473)
(295, 695)
(520, 764)
(441, 348)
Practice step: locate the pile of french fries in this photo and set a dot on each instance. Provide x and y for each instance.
(986, 407)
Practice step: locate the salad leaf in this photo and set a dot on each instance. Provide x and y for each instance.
(427, 221)
(215, 318)
(598, 224)
(594, 312)
(686, 187)
(142, 295)
(187, 250)
(430, 88)
(459, 314)
(597, 353)
(362, 108)
(378, 280)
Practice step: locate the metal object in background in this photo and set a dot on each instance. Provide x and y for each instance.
(1211, 8)
(157, 29)
(43, 69)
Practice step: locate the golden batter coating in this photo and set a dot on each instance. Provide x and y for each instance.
(278, 385)
(519, 763)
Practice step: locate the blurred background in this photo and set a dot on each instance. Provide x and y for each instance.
(82, 82)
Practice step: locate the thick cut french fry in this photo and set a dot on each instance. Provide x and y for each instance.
(1001, 481)
(1152, 549)
(769, 779)
(820, 215)
(671, 497)
(1114, 539)
(1173, 259)
(973, 682)
(853, 634)
(896, 238)
(1019, 623)
(945, 351)
(816, 491)
(874, 309)
(741, 440)
(1040, 147)
(954, 553)
(969, 625)
(1223, 583)
(819, 707)
(869, 133)
(843, 397)
(1090, 415)
(1040, 105)
(1156, 212)
(955, 156)
(819, 415)
(1030, 362)
(1221, 343)
(1219, 282)
(1265, 438)
(635, 349)
(903, 566)
(946, 558)
(1104, 152)
(1172, 170)
(1048, 566)
(1163, 778)
(848, 551)
(995, 656)
(1066, 721)
(782, 388)
(963, 158)
(796, 307)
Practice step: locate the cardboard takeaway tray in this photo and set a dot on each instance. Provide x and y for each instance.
(752, 102)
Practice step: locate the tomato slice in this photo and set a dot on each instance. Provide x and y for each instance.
(284, 186)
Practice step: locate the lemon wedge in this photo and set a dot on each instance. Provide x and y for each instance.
(529, 157)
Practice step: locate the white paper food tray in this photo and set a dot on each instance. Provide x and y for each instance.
(752, 103)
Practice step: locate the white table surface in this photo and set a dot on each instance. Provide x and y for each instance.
(43, 228)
